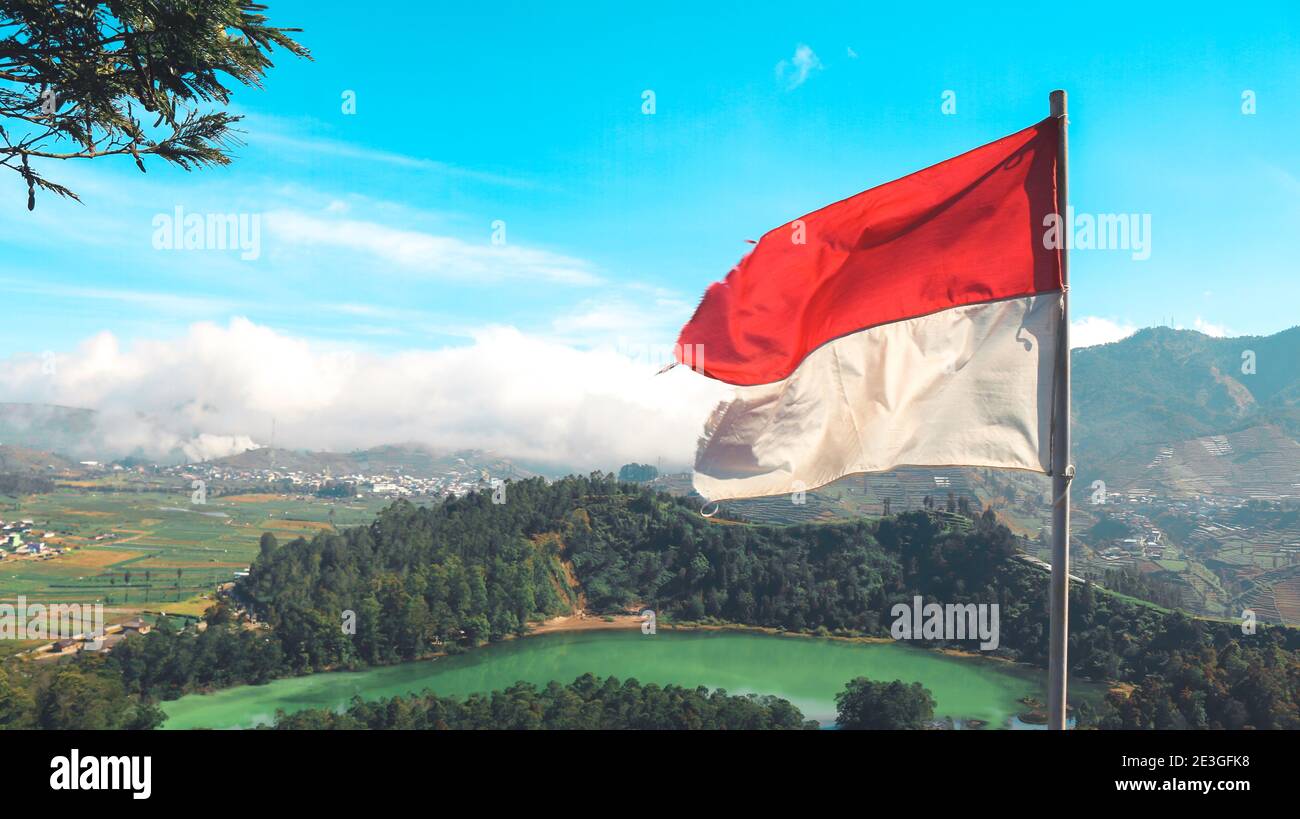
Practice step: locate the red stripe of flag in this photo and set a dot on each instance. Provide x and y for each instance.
(965, 231)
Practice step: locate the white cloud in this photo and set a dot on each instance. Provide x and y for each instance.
(615, 318)
(216, 389)
(795, 71)
(1090, 331)
(427, 253)
(1202, 326)
(161, 302)
(1215, 330)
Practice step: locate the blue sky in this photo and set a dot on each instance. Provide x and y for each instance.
(377, 227)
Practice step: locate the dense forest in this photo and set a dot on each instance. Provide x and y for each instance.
(423, 580)
(88, 694)
(585, 703)
(15, 484)
(869, 705)
(606, 704)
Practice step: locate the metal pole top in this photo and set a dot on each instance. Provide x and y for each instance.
(1058, 103)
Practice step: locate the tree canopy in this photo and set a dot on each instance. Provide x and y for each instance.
(423, 580)
(865, 704)
(587, 703)
(82, 79)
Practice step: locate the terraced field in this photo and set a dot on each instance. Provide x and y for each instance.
(1259, 462)
(1286, 598)
(138, 549)
(1275, 596)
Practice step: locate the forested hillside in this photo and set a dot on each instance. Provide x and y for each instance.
(469, 570)
(422, 580)
(587, 703)
(1161, 386)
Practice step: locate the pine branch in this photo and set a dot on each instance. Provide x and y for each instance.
(74, 73)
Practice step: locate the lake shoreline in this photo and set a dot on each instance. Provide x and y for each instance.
(739, 659)
(578, 624)
(574, 623)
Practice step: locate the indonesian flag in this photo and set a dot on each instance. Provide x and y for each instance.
(915, 323)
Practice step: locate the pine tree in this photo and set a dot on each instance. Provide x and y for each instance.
(81, 79)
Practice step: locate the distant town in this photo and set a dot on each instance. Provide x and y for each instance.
(20, 539)
(456, 480)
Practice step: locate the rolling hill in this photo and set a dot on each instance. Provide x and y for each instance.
(66, 430)
(16, 460)
(1181, 412)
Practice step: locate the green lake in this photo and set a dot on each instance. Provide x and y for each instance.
(806, 671)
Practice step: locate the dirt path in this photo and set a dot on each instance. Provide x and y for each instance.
(579, 622)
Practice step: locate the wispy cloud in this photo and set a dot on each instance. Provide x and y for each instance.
(162, 302)
(279, 135)
(795, 71)
(629, 320)
(424, 253)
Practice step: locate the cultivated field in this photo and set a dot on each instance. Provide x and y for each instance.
(144, 549)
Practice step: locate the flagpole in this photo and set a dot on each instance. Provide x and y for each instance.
(1062, 471)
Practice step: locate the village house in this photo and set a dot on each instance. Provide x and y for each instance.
(136, 626)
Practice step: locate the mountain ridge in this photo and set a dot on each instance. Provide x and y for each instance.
(1161, 388)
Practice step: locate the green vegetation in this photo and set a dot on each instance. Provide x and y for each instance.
(807, 671)
(337, 489)
(111, 531)
(469, 570)
(165, 664)
(24, 485)
(586, 703)
(864, 704)
(1161, 386)
(637, 473)
(1107, 528)
(1143, 589)
(86, 695)
(420, 580)
(80, 76)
